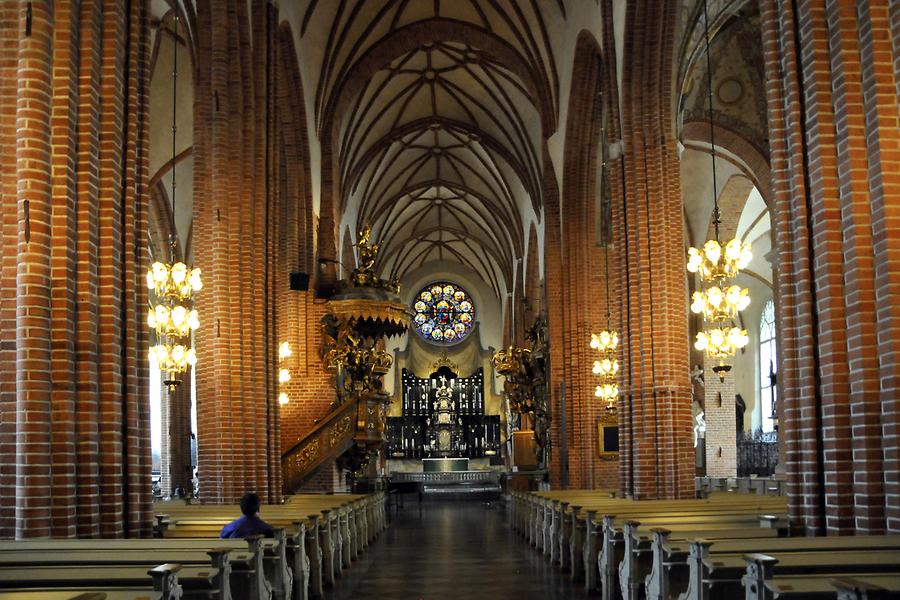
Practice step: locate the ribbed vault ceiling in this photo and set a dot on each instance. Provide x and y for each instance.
(436, 111)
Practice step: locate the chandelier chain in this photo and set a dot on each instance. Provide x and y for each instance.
(174, 124)
(604, 174)
(717, 215)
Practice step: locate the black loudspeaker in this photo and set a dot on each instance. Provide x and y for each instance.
(300, 281)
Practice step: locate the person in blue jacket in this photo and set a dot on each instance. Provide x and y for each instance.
(248, 524)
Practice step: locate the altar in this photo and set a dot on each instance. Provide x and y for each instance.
(443, 417)
(444, 465)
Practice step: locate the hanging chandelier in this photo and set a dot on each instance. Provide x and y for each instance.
(717, 304)
(714, 262)
(718, 264)
(606, 343)
(172, 318)
(606, 366)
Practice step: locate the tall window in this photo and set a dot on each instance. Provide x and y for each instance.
(768, 364)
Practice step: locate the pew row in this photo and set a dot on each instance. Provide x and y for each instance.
(722, 547)
(75, 594)
(324, 533)
(105, 583)
(188, 561)
(216, 569)
(594, 535)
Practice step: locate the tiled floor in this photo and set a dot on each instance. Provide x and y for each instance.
(457, 550)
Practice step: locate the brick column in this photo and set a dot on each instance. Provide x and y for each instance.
(656, 434)
(721, 422)
(33, 155)
(73, 430)
(831, 88)
(239, 215)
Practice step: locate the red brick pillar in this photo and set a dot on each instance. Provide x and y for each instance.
(33, 155)
(237, 223)
(832, 116)
(655, 417)
(73, 430)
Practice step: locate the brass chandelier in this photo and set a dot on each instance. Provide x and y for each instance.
(172, 317)
(606, 343)
(606, 366)
(717, 265)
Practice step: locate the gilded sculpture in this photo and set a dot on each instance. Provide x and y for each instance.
(363, 312)
(525, 370)
(364, 275)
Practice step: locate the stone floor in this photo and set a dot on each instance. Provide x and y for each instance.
(453, 549)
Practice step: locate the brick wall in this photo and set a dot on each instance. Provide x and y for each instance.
(73, 387)
(833, 122)
(311, 388)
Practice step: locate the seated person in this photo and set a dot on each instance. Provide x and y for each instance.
(250, 523)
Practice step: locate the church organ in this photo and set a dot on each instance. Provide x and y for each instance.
(443, 415)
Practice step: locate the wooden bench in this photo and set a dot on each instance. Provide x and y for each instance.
(324, 533)
(169, 581)
(722, 575)
(76, 594)
(670, 571)
(236, 563)
(636, 547)
(843, 587)
(581, 532)
(566, 528)
(301, 550)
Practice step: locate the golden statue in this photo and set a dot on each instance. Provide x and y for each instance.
(368, 253)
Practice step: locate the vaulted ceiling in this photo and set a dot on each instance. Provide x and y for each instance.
(435, 113)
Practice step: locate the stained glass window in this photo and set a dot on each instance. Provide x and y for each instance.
(445, 313)
(768, 363)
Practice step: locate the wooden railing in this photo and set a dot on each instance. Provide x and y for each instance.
(331, 437)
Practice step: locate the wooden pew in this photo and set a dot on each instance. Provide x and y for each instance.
(670, 571)
(234, 561)
(623, 547)
(220, 560)
(730, 574)
(112, 582)
(843, 587)
(859, 564)
(324, 532)
(76, 594)
(304, 538)
(358, 518)
(636, 563)
(566, 528)
(587, 535)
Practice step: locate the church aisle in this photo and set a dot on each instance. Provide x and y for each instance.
(453, 550)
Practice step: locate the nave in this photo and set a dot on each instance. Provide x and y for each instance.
(550, 250)
(453, 550)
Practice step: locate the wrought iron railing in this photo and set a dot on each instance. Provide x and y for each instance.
(757, 454)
